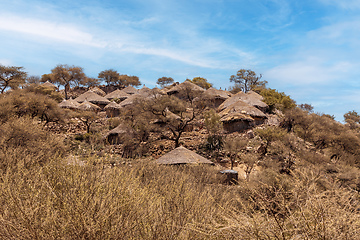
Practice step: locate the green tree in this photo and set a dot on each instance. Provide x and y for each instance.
(214, 127)
(67, 76)
(277, 100)
(164, 81)
(201, 82)
(11, 77)
(247, 80)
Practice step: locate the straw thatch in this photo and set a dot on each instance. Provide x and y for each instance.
(182, 155)
(255, 95)
(182, 87)
(112, 109)
(216, 96)
(94, 98)
(243, 108)
(98, 91)
(250, 98)
(119, 134)
(88, 106)
(130, 90)
(48, 84)
(119, 94)
(70, 104)
(130, 100)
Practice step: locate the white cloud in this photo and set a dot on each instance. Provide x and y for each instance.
(47, 29)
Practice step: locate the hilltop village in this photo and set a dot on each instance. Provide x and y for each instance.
(118, 160)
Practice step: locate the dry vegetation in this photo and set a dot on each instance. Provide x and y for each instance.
(302, 177)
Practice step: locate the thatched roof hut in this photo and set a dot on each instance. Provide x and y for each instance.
(112, 109)
(48, 84)
(240, 116)
(88, 106)
(70, 104)
(130, 90)
(94, 98)
(244, 108)
(98, 91)
(182, 155)
(130, 100)
(250, 98)
(181, 89)
(217, 96)
(119, 134)
(119, 94)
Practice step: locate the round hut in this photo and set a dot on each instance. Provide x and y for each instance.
(112, 110)
(182, 155)
(94, 98)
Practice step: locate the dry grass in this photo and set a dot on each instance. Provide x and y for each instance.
(146, 201)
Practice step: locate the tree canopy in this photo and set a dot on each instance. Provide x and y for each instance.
(164, 81)
(247, 80)
(201, 82)
(11, 77)
(112, 77)
(67, 76)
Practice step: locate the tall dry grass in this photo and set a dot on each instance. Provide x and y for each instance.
(146, 201)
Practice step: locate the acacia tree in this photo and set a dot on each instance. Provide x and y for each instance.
(173, 112)
(164, 81)
(109, 76)
(11, 77)
(66, 76)
(112, 77)
(247, 80)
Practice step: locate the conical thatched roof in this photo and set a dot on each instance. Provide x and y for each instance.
(92, 97)
(235, 116)
(213, 93)
(182, 155)
(243, 108)
(48, 84)
(159, 91)
(130, 90)
(130, 100)
(112, 105)
(88, 106)
(251, 99)
(119, 94)
(255, 95)
(183, 86)
(70, 104)
(98, 91)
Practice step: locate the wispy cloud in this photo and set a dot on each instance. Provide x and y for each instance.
(48, 30)
(345, 4)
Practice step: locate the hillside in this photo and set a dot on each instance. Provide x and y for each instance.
(85, 167)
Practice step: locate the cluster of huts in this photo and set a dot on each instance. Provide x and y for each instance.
(237, 111)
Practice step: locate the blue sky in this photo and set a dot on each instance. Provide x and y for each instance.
(308, 49)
